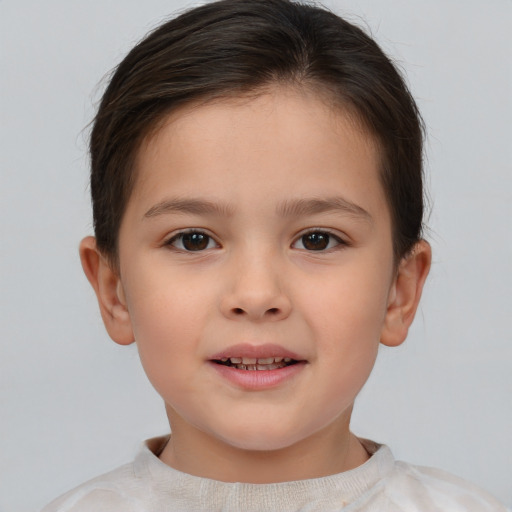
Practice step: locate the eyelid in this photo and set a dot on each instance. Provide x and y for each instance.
(342, 240)
(175, 235)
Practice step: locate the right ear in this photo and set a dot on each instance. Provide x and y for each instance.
(109, 292)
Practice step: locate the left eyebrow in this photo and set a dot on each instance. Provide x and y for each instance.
(303, 207)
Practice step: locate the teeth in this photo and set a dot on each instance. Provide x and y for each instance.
(253, 360)
(269, 366)
(253, 363)
(267, 360)
(263, 367)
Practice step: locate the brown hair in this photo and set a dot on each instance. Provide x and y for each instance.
(235, 47)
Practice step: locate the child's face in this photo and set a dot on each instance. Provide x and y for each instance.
(286, 252)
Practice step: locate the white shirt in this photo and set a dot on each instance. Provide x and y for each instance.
(379, 485)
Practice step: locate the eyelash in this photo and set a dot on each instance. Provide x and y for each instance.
(208, 239)
(180, 236)
(340, 243)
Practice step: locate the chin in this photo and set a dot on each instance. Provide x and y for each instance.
(267, 439)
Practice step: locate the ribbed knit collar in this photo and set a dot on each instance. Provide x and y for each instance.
(333, 492)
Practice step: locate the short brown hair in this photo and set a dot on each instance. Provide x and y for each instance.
(236, 47)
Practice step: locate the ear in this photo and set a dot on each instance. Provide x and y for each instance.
(405, 294)
(109, 292)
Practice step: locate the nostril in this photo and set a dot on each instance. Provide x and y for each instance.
(238, 311)
(273, 311)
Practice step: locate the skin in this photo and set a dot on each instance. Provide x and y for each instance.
(258, 162)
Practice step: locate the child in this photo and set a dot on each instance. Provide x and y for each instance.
(257, 195)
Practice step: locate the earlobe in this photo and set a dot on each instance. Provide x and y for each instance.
(109, 292)
(405, 294)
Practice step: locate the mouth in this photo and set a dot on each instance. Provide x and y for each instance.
(256, 364)
(257, 367)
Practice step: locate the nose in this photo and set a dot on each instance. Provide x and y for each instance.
(255, 291)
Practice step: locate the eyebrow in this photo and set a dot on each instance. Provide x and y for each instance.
(289, 208)
(303, 207)
(192, 206)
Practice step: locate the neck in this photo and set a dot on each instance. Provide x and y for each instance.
(332, 450)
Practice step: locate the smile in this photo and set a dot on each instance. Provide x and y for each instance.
(253, 363)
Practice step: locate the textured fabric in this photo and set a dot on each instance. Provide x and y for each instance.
(380, 485)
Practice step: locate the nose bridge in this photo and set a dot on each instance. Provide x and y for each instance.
(256, 285)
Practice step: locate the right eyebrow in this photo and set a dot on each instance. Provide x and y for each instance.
(192, 206)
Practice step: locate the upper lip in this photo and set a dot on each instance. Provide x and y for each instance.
(255, 351)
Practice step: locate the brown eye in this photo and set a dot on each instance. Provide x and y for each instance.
(195, 241)
(192, 241)
(317, 241)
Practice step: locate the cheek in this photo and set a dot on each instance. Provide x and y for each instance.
(167, 324)
(348, 309)
(163, 303)
(345, 318)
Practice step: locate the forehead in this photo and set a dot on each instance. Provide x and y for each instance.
(285, 138)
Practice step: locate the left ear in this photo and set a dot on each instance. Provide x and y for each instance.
(405, 294)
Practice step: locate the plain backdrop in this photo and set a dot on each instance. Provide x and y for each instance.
(74, 404)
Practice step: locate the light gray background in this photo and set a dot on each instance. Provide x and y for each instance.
(74, 404)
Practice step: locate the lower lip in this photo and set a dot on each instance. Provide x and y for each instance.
(257, 380)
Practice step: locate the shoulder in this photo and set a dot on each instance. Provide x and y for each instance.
(119, 489)
(420, 488)
(129, 488)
